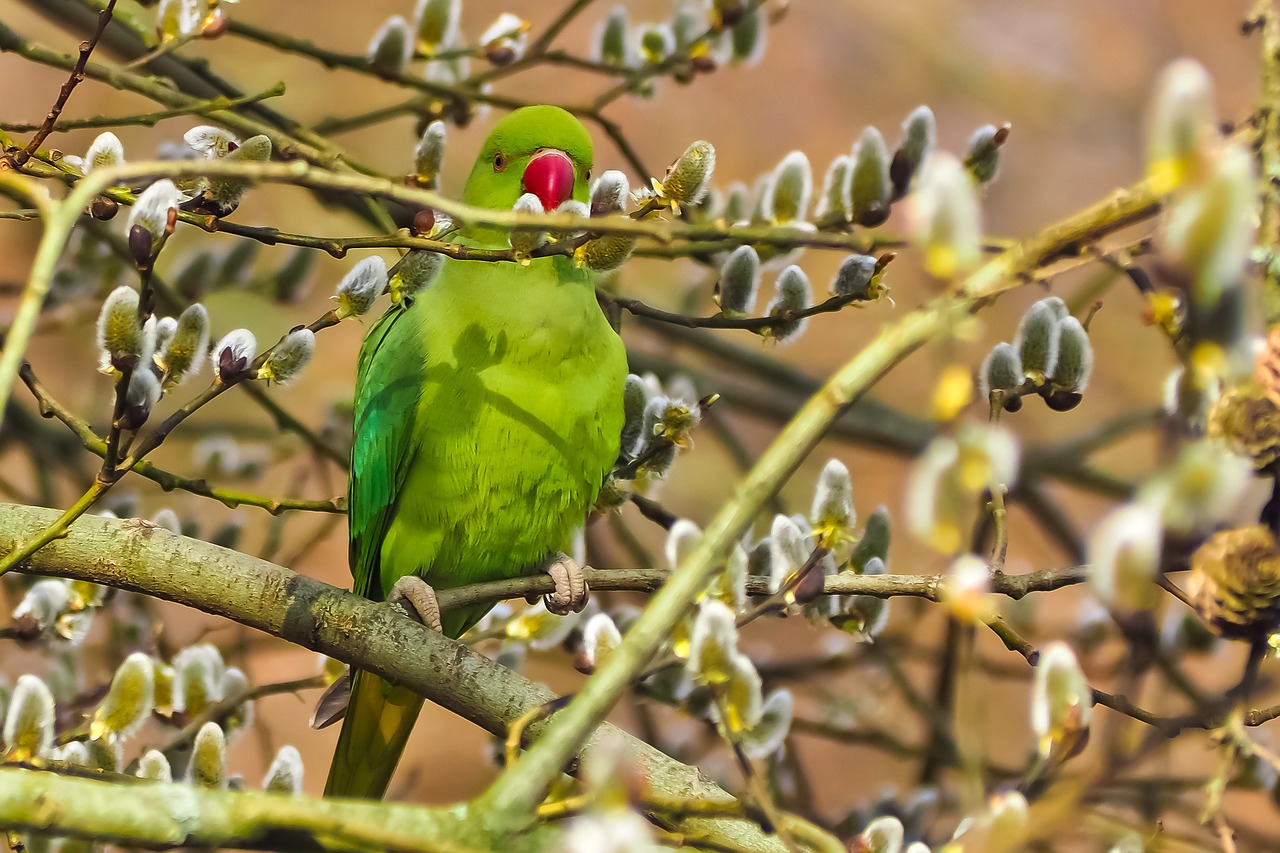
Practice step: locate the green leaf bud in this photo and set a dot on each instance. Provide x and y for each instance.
(749, 35)
(793, 294)
(436, 24)
(153, 765)
(835, 203)
(870, 191)
(713, 644)
(213, 142)
(739, 280)
(1124, 557)
(683, 537)
(833, 515)
(414, 273)
(361, 287)
(687, 179)
(919, 139)
(119, 329)
(1061, 702)
(1209, 232)
(656, 43)
(428, 157)
(104, 151)
(635, 397)
(28, 722)
(1075, 357)
(290, 279)
(791, 188)
(788, 551)
(129, 700)
(769, 733)
(600, 636)
(1037, 341)
(391, 48)
(208, 768)
(1182, 128)
(151, 213)
(285, 361)
(948, 218)
(186, 349)
(882, 835)
(609, 193)
(284, 776)
(874, 542)
(197, 679)
(1000, 371)
(232, 355)
(983, 156)
(854, 278)
(612, 41)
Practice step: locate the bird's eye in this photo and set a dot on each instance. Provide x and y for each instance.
(499, 162)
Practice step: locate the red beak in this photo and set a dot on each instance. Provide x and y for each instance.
(549, 176)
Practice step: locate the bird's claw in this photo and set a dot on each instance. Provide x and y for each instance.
(571, 592)
(415, 597)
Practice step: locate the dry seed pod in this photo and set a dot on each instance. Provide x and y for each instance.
(1235, 582)
(1248, 422)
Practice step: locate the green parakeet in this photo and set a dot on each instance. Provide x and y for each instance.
(487, 415)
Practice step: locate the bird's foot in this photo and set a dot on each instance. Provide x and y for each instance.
(571, 585)
(415, 597)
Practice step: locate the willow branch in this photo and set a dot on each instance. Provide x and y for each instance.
(151, 119)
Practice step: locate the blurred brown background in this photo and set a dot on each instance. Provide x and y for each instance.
(1072, 76)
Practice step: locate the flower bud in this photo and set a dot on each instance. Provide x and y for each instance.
(186, 348)
(687, 179)
(1075, 357)
(948, 480)
(656, 43)
(606, 252)
(208, 768)
(414, 273)
(854, 279)
(736, 202)
(874, 541)
(74, 753)
(870, 190)
(221, 196)
(835, 204)
(197, 679)
(919, 138)
(428, 157)
(791, 187)
(966, 590)
(505, 40)
(151, 213)
(739, 281)
(165, 327)
(1037, 342)
(284, 776)
(539, 627)
(1061, 703)
(748, 37)
(983, 157)
(1235, 582)
(153, 765)
(770, 732)
(600, 636)
(436, 23)
(1182, 128)
(234, 685)
(1200, 489)
(609, 193)
(833, 515)
(233, 354)
(948, 218)
(713, 645)
(1001, 371)
(1209, 232)
(361, 286)
(391, 48)
(129, 701)
(120, 335)
(612, 41)
(635, 397)
(143, 393)
(788, 552)
(683, 537)
(525, 240)
(287, 358)
(1124, 558)
(213, 142)
(104, 151)
(730, 585)
(882, 835)
(28, 722)
(792, 295)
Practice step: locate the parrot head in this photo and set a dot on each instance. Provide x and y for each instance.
(542, 150)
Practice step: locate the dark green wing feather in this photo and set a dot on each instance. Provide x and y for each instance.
(388, 388)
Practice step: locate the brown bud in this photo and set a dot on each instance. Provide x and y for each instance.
(1061, 400)
(423, 221)
(214, 28)
(140, 246)
(104, 208)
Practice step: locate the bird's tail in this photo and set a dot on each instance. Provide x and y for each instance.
(377, 726)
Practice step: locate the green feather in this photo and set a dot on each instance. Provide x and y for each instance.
(487, 415)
